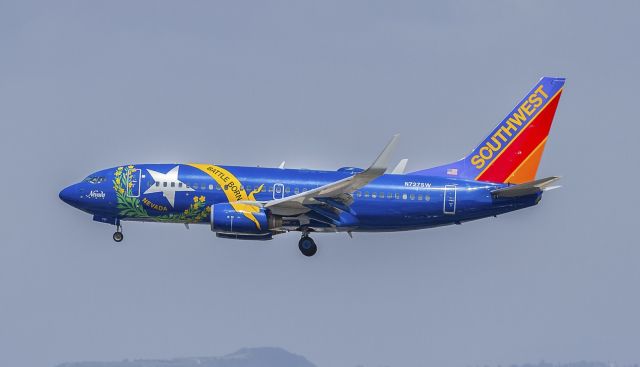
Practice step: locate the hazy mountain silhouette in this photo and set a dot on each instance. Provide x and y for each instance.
(575, 364)
(246, 357)
(277, 357)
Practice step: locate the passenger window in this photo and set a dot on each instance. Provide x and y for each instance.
(179, 184)
(296, 190)
(218, 187)
(366, 194)
(173, 184)
(389, 195)
(358, 194)
(419, 197)
(157, 184)
(164, 184)
(374, 195)
(287, 189)
(397, 196)
(382, 195)
(412, 196)
(196, 186)
(210, 187)
(404, 196)
(427, 198)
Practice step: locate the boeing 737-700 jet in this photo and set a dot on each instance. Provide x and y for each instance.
(256, 203)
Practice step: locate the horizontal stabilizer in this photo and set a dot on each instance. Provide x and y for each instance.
(399, 170)
(524, 189)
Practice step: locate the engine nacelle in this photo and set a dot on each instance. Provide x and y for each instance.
(225, 219)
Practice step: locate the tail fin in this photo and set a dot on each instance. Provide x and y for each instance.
(512, 151)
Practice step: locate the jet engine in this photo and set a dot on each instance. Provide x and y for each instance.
(228, 222)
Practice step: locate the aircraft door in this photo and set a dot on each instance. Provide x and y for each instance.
(133, 189)
(278, 191)
(449, 199)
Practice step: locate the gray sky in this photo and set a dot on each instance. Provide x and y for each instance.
(88, 85)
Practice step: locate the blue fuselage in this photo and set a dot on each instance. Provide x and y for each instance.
(150, 192)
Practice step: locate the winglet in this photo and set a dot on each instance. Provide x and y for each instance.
(400, 167)
(382, 162)
(346, 185)
(281, 166)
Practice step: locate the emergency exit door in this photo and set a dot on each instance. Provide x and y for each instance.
(449, 199)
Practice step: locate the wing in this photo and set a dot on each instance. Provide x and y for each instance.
(331, 198)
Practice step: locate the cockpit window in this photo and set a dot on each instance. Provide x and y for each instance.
(95, 179)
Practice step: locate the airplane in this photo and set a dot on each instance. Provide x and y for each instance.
(257, 203)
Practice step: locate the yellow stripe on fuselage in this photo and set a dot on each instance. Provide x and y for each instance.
(233, 189)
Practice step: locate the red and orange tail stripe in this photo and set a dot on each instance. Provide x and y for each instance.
(518, 161)
(512, 151)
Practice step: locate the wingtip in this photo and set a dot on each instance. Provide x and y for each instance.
(382, 161)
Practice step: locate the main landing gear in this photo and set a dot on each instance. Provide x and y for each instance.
(307, 246)
(118, 236)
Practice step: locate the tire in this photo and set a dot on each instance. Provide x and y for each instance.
(307, 246)
(118, 237)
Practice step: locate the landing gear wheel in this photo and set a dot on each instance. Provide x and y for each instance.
(307, 246)
(118, 237)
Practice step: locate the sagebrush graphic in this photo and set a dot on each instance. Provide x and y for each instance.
(130, 206)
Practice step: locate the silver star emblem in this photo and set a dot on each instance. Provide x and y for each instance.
(168, 184)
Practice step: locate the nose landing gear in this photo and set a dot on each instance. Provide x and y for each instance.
(118, 236)
(307, 246)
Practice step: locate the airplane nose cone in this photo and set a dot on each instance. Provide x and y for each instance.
(70, 195)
